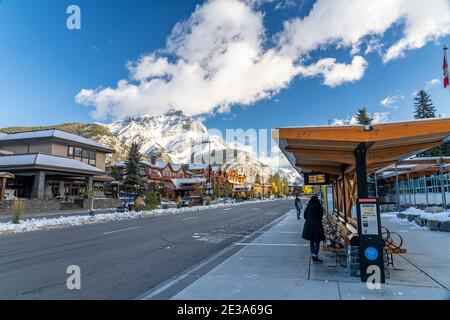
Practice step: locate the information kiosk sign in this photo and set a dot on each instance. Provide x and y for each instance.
(371, 243)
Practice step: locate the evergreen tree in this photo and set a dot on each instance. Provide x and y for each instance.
(134, 180)
(363, 117)
(151, 201)
(423, 107)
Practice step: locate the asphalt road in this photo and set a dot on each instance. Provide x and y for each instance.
(122, 260)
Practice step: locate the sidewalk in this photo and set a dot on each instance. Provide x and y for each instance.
(277, 266)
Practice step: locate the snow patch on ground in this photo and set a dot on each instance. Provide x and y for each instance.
(394, 219)
(403, 222)
(441, 217)
(70, 221)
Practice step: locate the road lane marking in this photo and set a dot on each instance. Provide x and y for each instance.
(227, 209)
(120, 230)
(272, 244)
(190, 218)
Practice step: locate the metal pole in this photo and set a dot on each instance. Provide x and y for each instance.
(376, 185)
(408, 184)
(397, 187)
(367, 241)
(426, 189)
(441, 176)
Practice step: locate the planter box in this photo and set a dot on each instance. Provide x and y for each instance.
(421, 222)
(434, 210)
(445, 226)
(433, 225)
(412, 217)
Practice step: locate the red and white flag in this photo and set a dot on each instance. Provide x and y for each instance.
(446, 73)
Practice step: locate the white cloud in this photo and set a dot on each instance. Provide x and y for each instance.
(345, 122)
(391, 101)
(347, 23)
(378, 117)
(222, 56)
(430, 84)
(219, 61)
(286, 4)
(334, 73)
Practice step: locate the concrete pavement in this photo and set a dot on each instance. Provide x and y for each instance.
(276, 265)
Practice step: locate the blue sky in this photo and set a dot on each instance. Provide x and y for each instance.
(43, 65)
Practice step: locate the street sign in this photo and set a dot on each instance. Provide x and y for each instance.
(316, 179)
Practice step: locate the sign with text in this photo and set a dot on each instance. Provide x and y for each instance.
(369, 219)
(314, 179)
(370, 241)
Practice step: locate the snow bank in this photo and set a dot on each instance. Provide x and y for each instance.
(69, 221)
(440, 217)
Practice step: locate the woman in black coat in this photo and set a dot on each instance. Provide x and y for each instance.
(313, 228)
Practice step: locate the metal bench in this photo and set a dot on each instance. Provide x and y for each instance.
(393, 245)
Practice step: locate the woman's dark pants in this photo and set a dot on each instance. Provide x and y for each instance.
(315, 247)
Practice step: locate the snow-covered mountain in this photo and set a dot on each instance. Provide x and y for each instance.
(176, 137)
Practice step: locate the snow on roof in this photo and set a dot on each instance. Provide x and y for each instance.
(161, 164)
(45, 160)
(197, 166)
(176, 167)
(53, 133)
(118, 164)
(179, 182)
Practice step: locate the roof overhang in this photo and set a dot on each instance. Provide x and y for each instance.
(48, 163)
(331, 149)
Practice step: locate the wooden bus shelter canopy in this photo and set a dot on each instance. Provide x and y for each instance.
(331, 149)
(334, 149)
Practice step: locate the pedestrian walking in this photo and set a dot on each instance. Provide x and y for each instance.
(313, 229)
(298, 206)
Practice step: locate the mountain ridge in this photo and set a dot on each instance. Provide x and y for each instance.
(172, 136)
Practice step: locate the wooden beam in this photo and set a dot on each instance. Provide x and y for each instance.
(379, 132)
(322, 169)
(328, 155)
(383, 155)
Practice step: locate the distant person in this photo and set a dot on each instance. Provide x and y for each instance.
(298, 206)
(313, 228)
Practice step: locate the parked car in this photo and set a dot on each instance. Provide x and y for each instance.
(190, 201)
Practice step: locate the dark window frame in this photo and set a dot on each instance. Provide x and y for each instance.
(84, 155)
